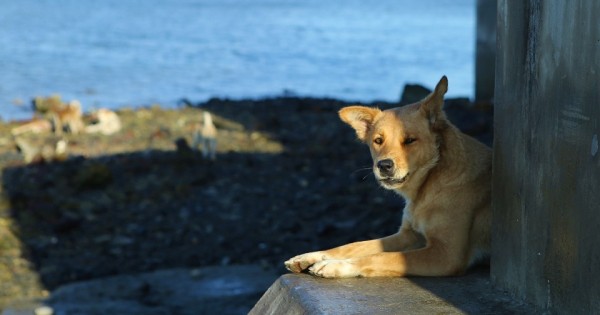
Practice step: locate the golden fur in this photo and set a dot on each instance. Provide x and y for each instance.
(205, 136)
(107, 122)
(69, 116)
(36, 126)
(445, 178)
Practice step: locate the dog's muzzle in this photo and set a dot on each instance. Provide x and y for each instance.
(386, 173)
(389, 181)
(386, 167)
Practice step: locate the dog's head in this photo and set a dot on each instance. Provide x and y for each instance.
(404, 141)
(74, 107)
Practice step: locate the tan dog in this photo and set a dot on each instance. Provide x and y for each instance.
(69, 116)
(107, 122)
(205, 136)
(445, 178)
(36, 126)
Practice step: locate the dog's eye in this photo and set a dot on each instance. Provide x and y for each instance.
(378, 140)
(409, 140)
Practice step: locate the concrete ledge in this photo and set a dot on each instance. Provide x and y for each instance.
(305, 294)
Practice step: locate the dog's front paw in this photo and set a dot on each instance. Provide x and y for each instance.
(301, 262)
(335, 268)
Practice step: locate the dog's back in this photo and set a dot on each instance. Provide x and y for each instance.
(463, 179)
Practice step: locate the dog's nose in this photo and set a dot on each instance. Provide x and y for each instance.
(385, 167)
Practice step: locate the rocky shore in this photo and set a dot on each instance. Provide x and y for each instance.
(289, 177)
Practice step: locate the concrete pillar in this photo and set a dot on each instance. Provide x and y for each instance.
(485, 50)
(546, 183)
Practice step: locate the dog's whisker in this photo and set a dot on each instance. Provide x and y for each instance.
(362, 169)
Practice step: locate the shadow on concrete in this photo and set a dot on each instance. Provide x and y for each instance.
(305, 294)
(473, 293)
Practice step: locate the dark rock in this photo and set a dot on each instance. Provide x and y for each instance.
(183, 147)
(413, 93)
(93, 176)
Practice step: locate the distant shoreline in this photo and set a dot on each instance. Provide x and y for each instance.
(23, 110)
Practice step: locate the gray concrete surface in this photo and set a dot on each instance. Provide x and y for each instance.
(209, 290)
(305, 294)
(546, 245)
(485, 50)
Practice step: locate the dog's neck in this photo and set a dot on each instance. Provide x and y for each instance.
(451, 153)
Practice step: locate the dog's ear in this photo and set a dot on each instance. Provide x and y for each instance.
(360, 118)
(432, 105)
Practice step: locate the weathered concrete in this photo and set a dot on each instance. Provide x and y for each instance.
(546, 245)
(305, 294)
(208, 290)
(485, 50)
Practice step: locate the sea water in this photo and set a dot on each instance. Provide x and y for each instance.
(114, 53)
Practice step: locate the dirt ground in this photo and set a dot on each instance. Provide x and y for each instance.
(289, 177)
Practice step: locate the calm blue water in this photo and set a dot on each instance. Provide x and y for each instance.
(115, 53)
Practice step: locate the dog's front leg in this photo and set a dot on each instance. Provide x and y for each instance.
(405, 238)
(301, 262)
(357, 249)
(437, 259)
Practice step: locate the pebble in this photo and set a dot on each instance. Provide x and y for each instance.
(44, 310)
